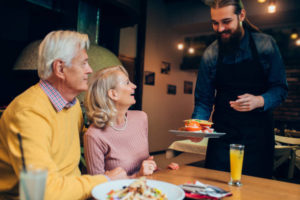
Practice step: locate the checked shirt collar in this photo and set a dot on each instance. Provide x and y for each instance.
(55, 97)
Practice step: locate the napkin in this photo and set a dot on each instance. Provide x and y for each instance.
(200, 190)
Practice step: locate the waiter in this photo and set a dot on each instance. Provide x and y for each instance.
(243, 75)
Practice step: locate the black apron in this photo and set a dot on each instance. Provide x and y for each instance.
(253, 129)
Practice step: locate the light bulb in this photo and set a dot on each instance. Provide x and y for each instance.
(272, 8)
(180, 46)
(261, 1)
(298, 42)
(191, 50)
(294, 36)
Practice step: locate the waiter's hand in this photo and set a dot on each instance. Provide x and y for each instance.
(247, 102)
(196, 139)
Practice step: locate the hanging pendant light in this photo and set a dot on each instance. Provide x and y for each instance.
(180, 46)
(294, 35)
(191, 50)
(272, 6)
(261, 1)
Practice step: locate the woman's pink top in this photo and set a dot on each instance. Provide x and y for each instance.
(106, 149)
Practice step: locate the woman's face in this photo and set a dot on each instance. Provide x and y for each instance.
(124, 91)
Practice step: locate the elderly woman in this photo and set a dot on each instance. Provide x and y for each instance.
(117, 137)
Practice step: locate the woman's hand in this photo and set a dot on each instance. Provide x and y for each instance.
(117, 173)
(148, 167)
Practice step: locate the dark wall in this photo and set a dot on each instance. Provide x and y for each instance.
(22, 23)
(287, 115)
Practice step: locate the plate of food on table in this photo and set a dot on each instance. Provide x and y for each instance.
(197, 128)
(138, 189)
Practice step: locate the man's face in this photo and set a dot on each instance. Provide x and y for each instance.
(227, 24)
(76, 75)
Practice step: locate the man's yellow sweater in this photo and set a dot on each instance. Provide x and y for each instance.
(50, 140)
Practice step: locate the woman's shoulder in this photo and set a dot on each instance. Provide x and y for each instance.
(137, 113)
(93, 131)
(137, 116)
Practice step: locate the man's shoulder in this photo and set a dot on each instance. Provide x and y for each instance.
(31, 99)
(211, 52)
(261, 36)
(263, 41)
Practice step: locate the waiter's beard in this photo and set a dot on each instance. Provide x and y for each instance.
(231, 44)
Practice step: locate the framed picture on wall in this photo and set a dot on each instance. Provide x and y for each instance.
(171, 89)
(149, 78)
(188, 87)
(165, 67)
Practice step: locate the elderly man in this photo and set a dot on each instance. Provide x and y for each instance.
(243, 75)
(49, 119)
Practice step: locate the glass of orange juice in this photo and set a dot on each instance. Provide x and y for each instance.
(236, 164)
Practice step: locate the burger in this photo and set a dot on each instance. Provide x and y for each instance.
(198, 125)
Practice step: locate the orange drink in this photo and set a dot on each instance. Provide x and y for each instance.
(236, 163)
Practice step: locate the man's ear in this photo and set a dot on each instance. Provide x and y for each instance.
(113, 94)
(242, 15)
(58, 68)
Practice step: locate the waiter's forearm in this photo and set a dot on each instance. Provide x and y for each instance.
(201, 111)
(274, 97)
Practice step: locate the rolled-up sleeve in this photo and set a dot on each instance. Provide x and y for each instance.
(205, 88)
(276, 77)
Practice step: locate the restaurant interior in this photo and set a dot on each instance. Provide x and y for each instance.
(160, 43)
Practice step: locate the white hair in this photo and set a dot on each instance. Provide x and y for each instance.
(62, 45)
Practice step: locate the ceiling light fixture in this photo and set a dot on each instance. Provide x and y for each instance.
(180, 46)
(261, 1)
(272, 6)
(191, 50)
(294, 34)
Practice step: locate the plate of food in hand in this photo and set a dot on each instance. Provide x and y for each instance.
(197, 128)
(137, 189)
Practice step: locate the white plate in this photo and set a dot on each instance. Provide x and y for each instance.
(196, 134)
(173, 192)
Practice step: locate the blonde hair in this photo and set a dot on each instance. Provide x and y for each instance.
(100, 108)
(62, 45)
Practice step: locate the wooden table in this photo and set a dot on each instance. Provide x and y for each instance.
(253, 188)
(187, 146)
